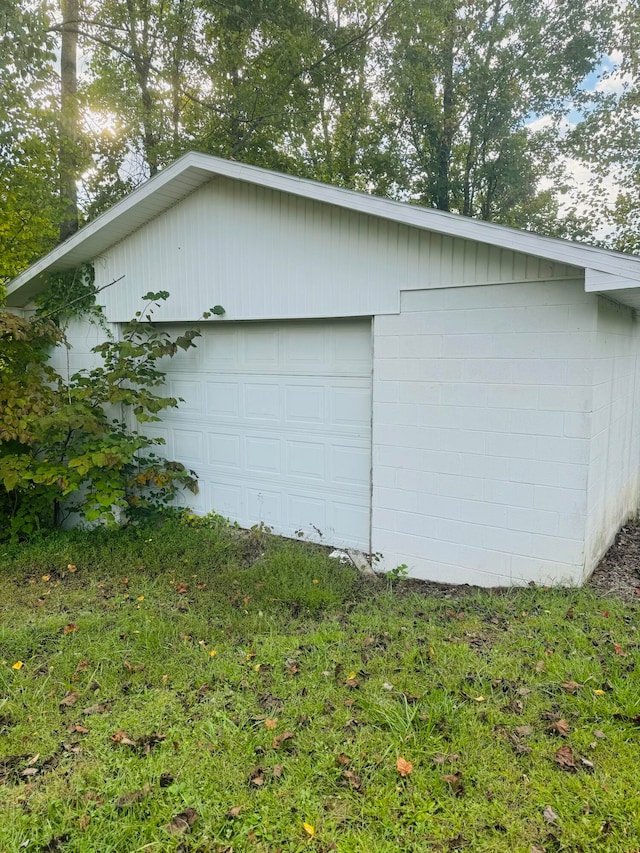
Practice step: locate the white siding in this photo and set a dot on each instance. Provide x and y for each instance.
(481, 426)
(614, 463)
(82, 335)
(264, 254)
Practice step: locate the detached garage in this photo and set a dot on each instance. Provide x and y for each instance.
(444, 393)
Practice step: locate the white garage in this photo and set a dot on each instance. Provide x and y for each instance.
(449, 394)
(276, 420)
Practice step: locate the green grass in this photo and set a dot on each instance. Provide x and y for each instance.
(359, 674)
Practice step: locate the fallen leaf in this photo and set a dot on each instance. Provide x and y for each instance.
(560, 727)
(81, 730)
(280, 739)
(213, 653)
(45, 578)
(234, 811)
(72, 568)
(98, 708)
(70, 628)
(70, 699)
(540, 665)
(343, 760)
(479, 699)
(123, 738)
(33, 760)
(181, 589)
(182, 822)
(83, 665)
(569, 613)
(309, 829)
(277, 771)
(565, 758)
(30, 771)
(130, 799)
(83, 823)
(387, 686)
(404, 767)
(599, 734)
(353, 779)
(586, 763)
(619, 650)
(524, 731)
(454, 780)
(441, 759)
(166, 779)
(131, 667)
(256, 777)
(598, 692)
(270, 724)
(571, 686)
(549, 814)
(17, 665)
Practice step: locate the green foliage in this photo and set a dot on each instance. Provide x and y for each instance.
(67, 446)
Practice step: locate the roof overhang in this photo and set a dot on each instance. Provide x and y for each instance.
(619, 274)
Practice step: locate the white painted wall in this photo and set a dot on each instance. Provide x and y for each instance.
(481, 428)
(82, 335)
(264, 254)
(613, 491)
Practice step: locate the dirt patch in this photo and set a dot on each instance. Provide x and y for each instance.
(618, 574)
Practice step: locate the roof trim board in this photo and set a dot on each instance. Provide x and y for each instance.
(193, 170)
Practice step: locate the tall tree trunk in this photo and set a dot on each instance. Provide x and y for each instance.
(68, 142)
(443, 158)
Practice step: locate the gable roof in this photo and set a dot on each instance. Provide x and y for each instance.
(607, 270)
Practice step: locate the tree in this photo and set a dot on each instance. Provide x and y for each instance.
(462, 80)
(607, 141)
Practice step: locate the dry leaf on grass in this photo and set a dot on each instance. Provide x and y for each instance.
(571, 686)
(70, 699)
(454, 780)
(182, 822)
(549, 815)
(70, 628)
(560, 727)
(280, 739)
(123, 738)
(404, 767)
(565, 758)
(98, 708)
(270, 723)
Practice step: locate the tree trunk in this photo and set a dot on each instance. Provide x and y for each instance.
(443, 158)
(68, 159)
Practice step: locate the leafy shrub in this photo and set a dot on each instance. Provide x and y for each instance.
(67, 446)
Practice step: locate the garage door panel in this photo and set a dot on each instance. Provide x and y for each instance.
(306, 460)
(351, 406)
(223, 399)
(224, 451)
(350, 465)
(262, 454)
(264, 505)
(188, 445)
(304, 404)
(276, 424)
(190, 395)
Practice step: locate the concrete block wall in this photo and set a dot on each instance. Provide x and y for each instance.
(481, 432)
(614, 462)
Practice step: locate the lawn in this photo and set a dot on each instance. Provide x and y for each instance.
(192, 687)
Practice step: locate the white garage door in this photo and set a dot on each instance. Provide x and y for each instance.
(276, 422)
